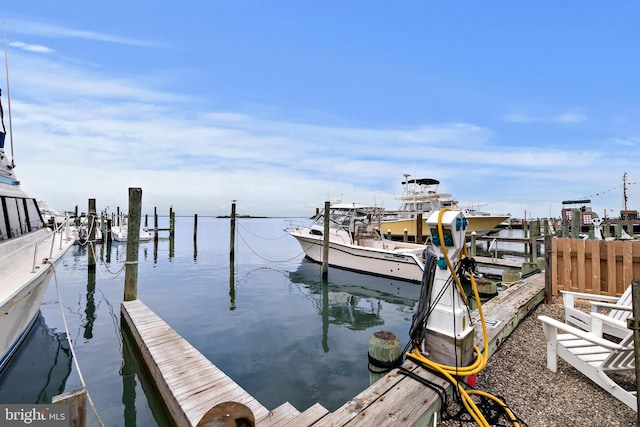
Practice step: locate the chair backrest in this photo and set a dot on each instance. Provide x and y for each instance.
(624, 300)
(621, 359)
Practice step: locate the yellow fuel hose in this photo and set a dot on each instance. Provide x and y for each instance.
(452, 372)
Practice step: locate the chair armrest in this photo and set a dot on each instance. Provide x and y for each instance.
(580, 333)
(592, 297)
(596, 304)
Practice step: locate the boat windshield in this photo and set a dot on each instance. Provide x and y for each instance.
(346, 217)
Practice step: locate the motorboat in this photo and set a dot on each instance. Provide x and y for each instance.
(420, 196)
(120, 230)
(355, 243)
(28, 252)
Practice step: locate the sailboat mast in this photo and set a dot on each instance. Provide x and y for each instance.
(6, 64)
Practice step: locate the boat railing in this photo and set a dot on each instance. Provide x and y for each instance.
(57, 230)
(36, 243)
(494, 256)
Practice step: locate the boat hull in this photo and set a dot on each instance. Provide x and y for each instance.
(23, 286)
(397, 265)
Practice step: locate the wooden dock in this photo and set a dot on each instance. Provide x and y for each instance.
(190, 385)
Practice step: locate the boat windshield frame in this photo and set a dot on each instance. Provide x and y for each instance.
(347, 216)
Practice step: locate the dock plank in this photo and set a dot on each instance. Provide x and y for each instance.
(188, 383)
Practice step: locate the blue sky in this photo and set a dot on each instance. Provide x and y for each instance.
(282, 105)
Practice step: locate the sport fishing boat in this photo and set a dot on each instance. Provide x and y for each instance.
(28, 251)
(119, 231)
(421, 196)
(355, 243)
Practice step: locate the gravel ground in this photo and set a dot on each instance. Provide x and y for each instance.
(518, 373)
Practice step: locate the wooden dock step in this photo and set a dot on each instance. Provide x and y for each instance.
(309, 417)
(279, 416)
(188, 382)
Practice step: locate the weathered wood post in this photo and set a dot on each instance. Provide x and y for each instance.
(91, 217)
(473, 243)
(172, 222)
(325, 241)
(172, 232)
(576, 223)
(195, 237)
(548, 277)
(419, 228)
(232, 233)
(155, 223)
(405, 235)
(232, 251)
(133, 237)
(534, 226)
(634, 323)
(385, 352)
(195, 227)
(77, 401)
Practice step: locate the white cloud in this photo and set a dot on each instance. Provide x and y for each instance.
(31, 47)
(569, 117)
(33, 28)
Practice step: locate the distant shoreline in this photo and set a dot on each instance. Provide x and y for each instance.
(241, 216)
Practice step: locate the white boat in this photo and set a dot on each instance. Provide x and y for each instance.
(356, 244)
(421, 196)
(28, 251)
(80, 231)
(119, 231)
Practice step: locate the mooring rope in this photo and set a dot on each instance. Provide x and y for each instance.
(71, 345)
(263, 258)
(260, 237)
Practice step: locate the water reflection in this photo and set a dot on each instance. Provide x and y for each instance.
(40, 368)
(352, 299)
(133, 369)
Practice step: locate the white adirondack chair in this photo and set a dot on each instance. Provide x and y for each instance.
(591, 354)
(620, 310)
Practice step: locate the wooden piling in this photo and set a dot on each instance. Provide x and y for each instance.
(133, 237)
(91, 223)
(548, 273)
(576, 223)
(155, 224)
(172, 222)
(473, 243)
(77, 401)
(172, 230)
(418, 228)
(384, 348)
(195, 227)
(325, 242)
(232, 233)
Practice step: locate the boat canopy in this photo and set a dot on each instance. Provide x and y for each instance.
(422, 181)
(575, 202)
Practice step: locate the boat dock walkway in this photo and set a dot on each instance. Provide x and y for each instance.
(190, 385)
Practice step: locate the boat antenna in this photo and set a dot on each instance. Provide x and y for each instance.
(6, 63)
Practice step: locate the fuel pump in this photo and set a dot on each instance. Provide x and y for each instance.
(449, 337)
(441, 333)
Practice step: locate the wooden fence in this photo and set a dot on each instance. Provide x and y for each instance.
(593, 266)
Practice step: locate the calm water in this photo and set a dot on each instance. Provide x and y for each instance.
(269, 323)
